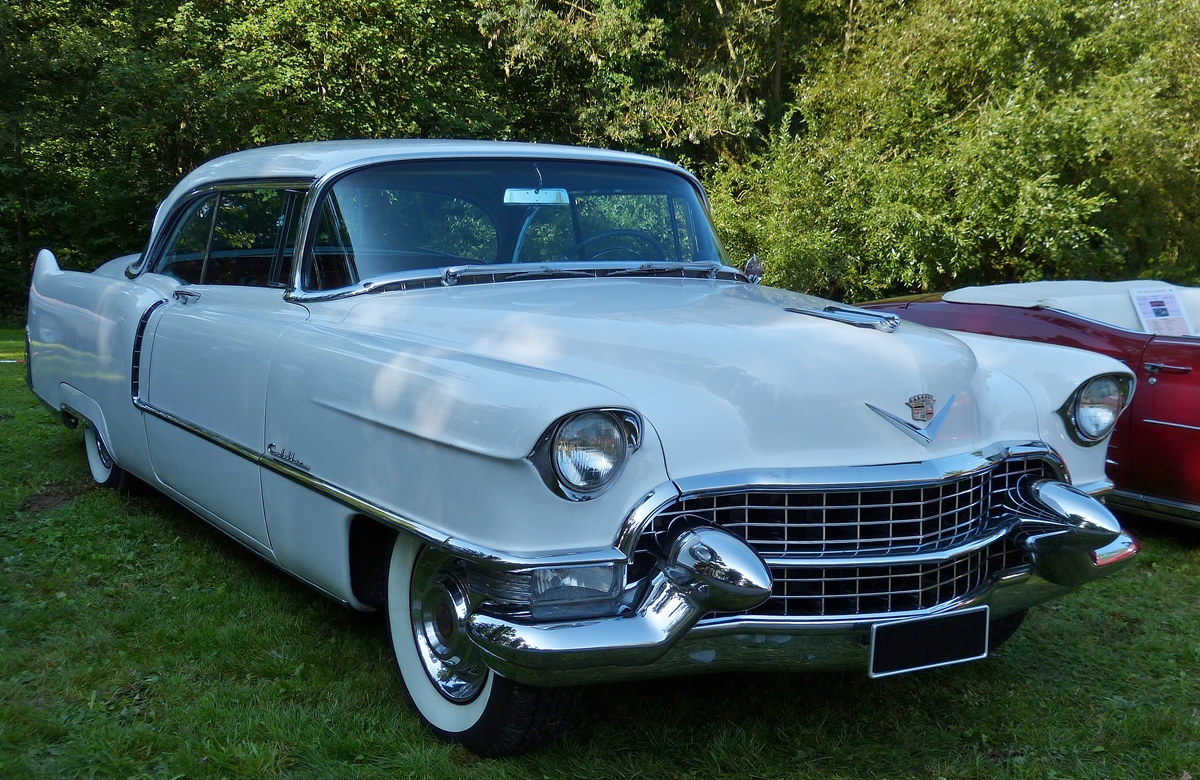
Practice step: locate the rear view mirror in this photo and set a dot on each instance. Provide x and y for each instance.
(539, 197)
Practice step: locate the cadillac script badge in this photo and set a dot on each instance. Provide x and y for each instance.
(922, 407)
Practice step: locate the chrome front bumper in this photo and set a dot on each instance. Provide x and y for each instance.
(1077, 541)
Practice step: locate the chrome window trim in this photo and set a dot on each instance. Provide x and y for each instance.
(296, 292)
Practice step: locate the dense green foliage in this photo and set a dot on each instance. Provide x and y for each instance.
(978, 141)
(860, 147)
(138, 642)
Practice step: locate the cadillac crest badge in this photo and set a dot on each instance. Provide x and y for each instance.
(922, 407)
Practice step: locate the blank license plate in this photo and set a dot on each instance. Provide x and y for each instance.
(925, 643)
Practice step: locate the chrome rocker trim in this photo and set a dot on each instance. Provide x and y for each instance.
(1156, 507)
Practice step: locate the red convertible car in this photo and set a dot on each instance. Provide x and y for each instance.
(1154, 456)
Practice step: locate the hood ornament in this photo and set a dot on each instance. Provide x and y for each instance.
(922, 407)
(923, 436)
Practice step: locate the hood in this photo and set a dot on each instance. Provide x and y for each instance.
(726, 376)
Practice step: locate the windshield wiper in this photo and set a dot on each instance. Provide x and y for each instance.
(653, 269)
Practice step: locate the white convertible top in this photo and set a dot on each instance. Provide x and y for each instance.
(1107, 302)
(308, 161)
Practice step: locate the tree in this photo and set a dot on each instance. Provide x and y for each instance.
(978, 141)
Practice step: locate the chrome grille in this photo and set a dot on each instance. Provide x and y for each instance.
(908, 519)
(874, 590)
(805, 525)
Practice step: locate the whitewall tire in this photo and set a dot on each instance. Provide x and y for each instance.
(443, 673)
(100, 462)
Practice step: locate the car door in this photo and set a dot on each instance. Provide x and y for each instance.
(210, 349)
(1166, 419)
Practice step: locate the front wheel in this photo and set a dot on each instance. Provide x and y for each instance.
(445, 678)
(100, 462)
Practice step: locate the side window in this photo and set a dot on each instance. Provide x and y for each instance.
(237, 237)
(184, 260)
(332, 263)
(246, 237)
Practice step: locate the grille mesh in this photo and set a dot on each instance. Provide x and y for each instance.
(805, 525)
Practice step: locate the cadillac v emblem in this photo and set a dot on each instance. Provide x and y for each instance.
(922, 407)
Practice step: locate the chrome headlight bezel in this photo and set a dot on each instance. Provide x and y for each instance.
(545, 455)
(1070, 411)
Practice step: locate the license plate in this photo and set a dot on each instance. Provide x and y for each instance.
(926, 643)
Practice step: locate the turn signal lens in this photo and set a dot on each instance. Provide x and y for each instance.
(1098, 406)
(576, 591)
(589, 450)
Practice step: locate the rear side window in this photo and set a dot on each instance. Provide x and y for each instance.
(184, 260)
(242, 237)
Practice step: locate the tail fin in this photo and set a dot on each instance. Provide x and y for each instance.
(45, 264)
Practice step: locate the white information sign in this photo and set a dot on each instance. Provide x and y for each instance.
(1159, 310)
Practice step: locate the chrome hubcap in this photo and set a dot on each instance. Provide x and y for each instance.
(439, 619)
(105, 459)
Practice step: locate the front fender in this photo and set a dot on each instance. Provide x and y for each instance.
(442, 438)
(1051, 374)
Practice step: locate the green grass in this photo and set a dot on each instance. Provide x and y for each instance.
(137, 642)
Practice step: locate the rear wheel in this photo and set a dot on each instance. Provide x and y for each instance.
(100, 462)
(445, 678)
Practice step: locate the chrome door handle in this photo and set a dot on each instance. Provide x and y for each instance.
(1154, 368)
(183, 296)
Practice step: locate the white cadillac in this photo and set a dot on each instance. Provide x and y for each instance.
(515, 396)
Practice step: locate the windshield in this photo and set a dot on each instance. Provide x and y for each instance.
(428, 215)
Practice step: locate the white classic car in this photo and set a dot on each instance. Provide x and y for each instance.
(515, 396)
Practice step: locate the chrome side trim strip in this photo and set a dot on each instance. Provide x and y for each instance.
(459, 547)
(1154, 506)
(203, 433)
(1173, 425)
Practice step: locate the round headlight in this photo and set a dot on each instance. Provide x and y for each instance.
(588, 450)
(1097, 407)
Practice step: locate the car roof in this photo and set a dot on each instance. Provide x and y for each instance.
(312, 160)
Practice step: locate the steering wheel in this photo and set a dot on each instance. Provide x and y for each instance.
(641, 235)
